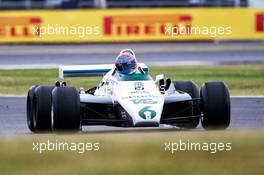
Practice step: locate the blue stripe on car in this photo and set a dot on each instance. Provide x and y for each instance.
(86, 71)
(91, 71)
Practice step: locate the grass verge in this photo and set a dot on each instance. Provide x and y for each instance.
(242, 80)
(136, 153)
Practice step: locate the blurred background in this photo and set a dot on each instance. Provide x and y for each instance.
(75, 4)
(128, 20)
(23, 21)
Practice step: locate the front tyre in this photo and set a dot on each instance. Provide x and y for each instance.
(41, 108)
(30, 108)
(215, 105)
(65, 109)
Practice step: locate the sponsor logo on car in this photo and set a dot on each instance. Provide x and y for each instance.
(139, 92)
(147, 113)
(142, 96)
(143, 101)
(139, 86)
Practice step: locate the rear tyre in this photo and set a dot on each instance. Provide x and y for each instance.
(65, 109)
(42, 108)
(192, 89)
(30, 106)
(215, 105)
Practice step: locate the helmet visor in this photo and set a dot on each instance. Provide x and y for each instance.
(126, 68)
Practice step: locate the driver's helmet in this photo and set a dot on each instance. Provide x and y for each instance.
(128, 51)
(126, 62)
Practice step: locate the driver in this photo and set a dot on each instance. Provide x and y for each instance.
(126, 62)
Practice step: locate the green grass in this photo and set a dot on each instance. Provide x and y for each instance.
(136, 153)
(242, 80)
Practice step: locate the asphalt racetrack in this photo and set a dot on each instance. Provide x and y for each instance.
(246, 113)
(153, 54)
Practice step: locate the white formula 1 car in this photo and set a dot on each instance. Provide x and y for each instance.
(127, 101)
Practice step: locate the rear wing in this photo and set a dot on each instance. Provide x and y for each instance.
(89, 70)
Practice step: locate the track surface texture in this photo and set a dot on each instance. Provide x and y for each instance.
(246, 112)
(153, 54)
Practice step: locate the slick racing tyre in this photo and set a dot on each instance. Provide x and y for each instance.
(192, 89)
(41, 108)
(65, 109)
(187, 86)
(215, 105)
(30, 106)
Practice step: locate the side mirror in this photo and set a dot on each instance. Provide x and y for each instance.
(159, 77)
